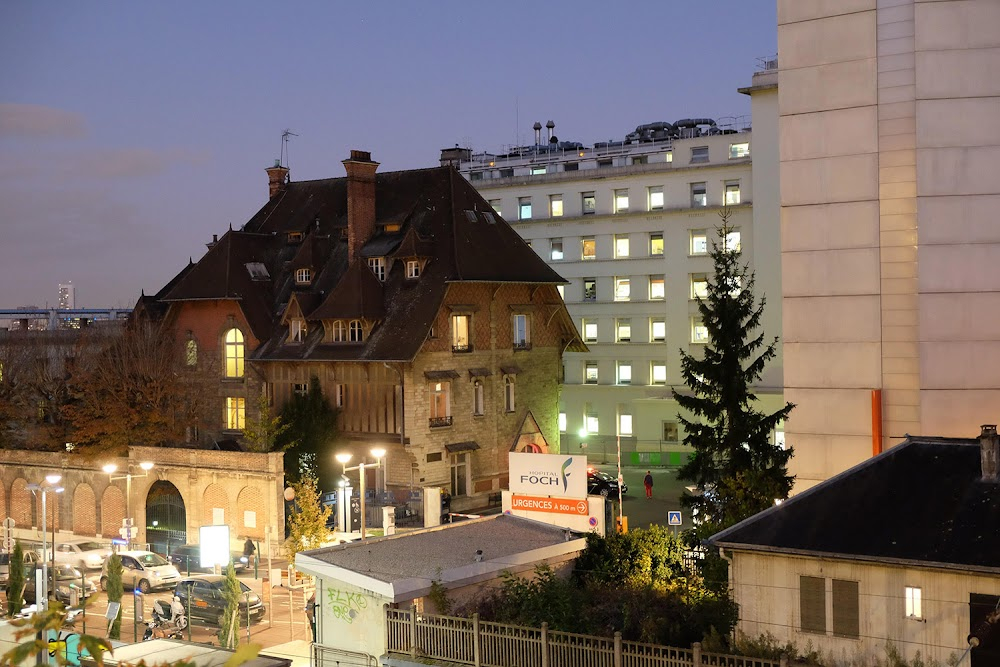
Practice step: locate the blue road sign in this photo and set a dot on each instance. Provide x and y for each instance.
(674, 518)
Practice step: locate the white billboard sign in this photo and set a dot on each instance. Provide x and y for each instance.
(548, 475)
(214, 546)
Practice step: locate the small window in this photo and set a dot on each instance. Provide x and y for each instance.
(699, 242)
(303, 276)
(593, 423)
(621, 201)
(377, 265)
(657, 329)
(590, 372)
(490, 218)
(508, 394)
(297, 330)
(699, 154)
(495, 203)
(522, 332)
(588, 248)
(671, 432)
(812, 604)
(236, 413)
(524, 208)
(538, 171)
(590, 289)
(624, 372)
(470, 215)
(412, 269)
(699, 286)
(555, 206)
(733, 241)
(440, 407)
(391, 228)
(339, 331)
(294, 237)
(339, 390)
(658, 373)
(562, 422)
(300, 388)
(590, 331)
(913, 602)
(624, 424)
(460, 341)
(621, 245)
(699, 195)
(732, 192)
(668, 157)
(556, 249)
(623, 330)
(435, 457)
(589, 203)
(478, 402)
(656, 288)
(846, 611)
(257, 271)
(699, 332)
(656, 244)
(190, 353)
(655, 198)
(737, 151)
(355, 332)
(622, 288)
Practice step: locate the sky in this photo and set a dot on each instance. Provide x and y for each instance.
(130, 132)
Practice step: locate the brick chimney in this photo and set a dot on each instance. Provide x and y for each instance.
(989, 450)
(360, 201)
(277, 177)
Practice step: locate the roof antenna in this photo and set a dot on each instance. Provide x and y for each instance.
(283, 160)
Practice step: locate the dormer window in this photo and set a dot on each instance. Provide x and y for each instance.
(377, 265)
(297, 330)
(412, 269)
(303, 276)
(295, 237)
(392, 228)
(355, 331)
(339, 331)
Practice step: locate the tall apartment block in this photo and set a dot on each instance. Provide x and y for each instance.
(629, 224)
(67, 295)
(890, 192)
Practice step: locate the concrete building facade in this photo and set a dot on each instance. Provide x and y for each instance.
(890, 179)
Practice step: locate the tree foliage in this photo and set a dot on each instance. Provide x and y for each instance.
(229, 628)
(34, 388)
(115, 592)
(307, 524)
(263, 431)
(15, 580)
(312, 423)
(734, 464)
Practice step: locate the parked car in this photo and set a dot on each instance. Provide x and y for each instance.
(30, 558)
(86, 555)
(143, 570)
(602, 484)
(208, 604)
(67, 579)
(187, 558)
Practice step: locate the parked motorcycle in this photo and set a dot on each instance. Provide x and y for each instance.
(156, 629)
(165, 623)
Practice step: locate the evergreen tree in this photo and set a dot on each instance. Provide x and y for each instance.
(229, 621)
(262, 432)
(115, 592)
(734, 463)
(15, 580)
(312, 426)
(307, 524)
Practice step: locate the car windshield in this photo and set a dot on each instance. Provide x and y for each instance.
(151, 560)
(218, 585)
(67, 572)
(603, 476)
(90, 546)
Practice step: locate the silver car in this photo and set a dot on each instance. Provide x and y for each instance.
(87, 555)
(143, 571)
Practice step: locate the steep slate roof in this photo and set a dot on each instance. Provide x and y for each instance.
(922, 502)
(442, 217)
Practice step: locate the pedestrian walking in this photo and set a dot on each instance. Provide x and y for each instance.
(248, 551)
(648, 483)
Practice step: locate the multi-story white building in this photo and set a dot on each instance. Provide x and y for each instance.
(629, 225)
(67, 296)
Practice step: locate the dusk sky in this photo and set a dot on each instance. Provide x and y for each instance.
(131, 132)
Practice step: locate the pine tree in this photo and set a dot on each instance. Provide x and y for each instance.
(262, 432)
(307, 524)
(116, 591)
(15, 580)
(734, 463)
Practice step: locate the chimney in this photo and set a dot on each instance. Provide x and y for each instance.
(538, 133)
(989, 450)
(551, 126)
(360, 201)
(277, 177)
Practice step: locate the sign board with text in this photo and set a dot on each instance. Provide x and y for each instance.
(548, 475)
(583, 515)
(578, 506)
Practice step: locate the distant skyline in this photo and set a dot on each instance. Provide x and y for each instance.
(132, 132)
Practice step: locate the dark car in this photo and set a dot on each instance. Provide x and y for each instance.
(187, 558)
(67, 579)
(602, 484)
(207, 603)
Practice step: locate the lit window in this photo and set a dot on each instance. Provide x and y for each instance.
(732, 192)
(524, 208)
(623, 330)
(590, 372)
(508, 394)
(733, 241)
(913, 599)
(355, 332)
(412, 268)
(537, 171)
(668, 157)
(622, 288)
(590, 289)
(656, 244)
(593, 424)
(377, 265)
(699, 196)
(339, 331)
(737, 151)
(671, 432)
(658, 373)
(556, 249)
(303, 276)
(190, 353)
(699, 154)
(478, 402)
(699, 242)
(699, 332)
(235, 353)
(624, 424)
(656, 288)
(495, 203)
(440, 404)
(657, 329)
(656, 198)
(624, 372)
(588, 248)
(621, 245)
(555, 206)
(236, 413)
(562, 422)
(522, 333)
(590, 331)
(589, 203)
(460, 334)
(621, 201)
(297, 330)
(699, 286)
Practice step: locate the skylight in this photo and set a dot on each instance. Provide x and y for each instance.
(257, 271)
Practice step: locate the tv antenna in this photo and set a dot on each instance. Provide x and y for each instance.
(283, 160)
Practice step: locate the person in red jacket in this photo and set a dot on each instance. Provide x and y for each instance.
(648, 483)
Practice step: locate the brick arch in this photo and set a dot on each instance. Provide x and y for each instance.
(84, 510)
(250, 499)
(21, 504)
(215, 497)
(112, 511)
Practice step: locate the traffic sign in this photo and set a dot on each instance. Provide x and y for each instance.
(674, 518)
(8, 523)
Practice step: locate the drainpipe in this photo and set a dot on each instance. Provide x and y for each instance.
(876, 422)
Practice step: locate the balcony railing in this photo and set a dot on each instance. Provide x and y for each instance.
(438, 422)
(522, 345)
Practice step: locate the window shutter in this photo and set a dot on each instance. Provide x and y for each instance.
(846, 622)
(812, 604)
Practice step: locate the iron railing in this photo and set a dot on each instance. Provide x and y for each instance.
(327, 656)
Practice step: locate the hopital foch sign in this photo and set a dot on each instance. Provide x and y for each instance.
(548, 475)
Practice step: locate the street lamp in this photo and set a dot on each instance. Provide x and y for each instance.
(111, 468)
(381, 470)
(618, 445)
(42, 594)
(343, 459)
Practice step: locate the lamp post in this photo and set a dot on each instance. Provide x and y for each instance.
(111, 468)
(42, 594)
(381, 469)
(618, 444)
(343, 458)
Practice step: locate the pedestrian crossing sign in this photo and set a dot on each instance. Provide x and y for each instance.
(674, 518)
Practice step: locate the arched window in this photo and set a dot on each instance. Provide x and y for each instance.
(191, 352)
(339, 331)
(235, 353)
(356, 333)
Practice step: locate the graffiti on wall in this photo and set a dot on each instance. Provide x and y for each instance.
(346, 605)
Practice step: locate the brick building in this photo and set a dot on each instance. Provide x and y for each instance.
(436, 332)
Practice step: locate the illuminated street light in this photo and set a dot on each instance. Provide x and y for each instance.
(110, 469)
(42, 595)
(343, 458)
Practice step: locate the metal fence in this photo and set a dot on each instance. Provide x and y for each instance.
(469, 641)
(327, 656)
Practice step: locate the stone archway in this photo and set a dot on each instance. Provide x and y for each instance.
(166, 517)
